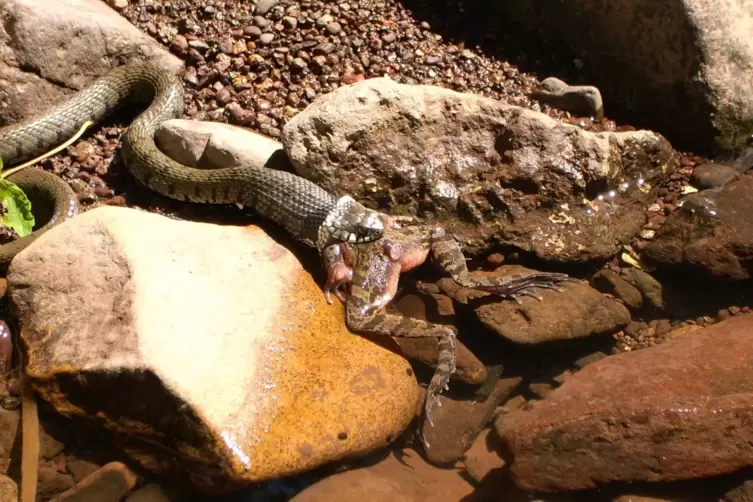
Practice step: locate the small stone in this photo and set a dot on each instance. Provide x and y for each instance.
(266, 38)
(333, 28)
(456, 422)
(289, 22)
(264, 6)
(389, 37)
(252, 32)
(663, 327)
(118, 4)
(223, 96)
(324, 20)
(241, 116)
(179, 44)
(111, 482)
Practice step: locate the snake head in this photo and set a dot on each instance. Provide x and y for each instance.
(350, 222)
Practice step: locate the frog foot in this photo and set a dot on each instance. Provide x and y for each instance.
(516, 286)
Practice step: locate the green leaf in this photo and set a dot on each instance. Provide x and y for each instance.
(15, 208)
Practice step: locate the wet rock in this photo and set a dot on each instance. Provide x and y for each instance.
(401, 477)
(580, 312)
(483, 456)
(457, 423)
(260, 380)
(36, 75)
(657, 414)
(584, 100)
(650, 288)
(489, 172)
(108, 484)
(210, 145)
(607, 281)
(469, 368)
(712, 175)
(711, 233)
(680, 66)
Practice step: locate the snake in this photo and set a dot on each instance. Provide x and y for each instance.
(306, 211)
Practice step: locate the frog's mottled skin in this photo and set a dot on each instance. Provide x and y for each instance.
(372, 272)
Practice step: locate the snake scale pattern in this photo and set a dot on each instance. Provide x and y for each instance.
(308, 212)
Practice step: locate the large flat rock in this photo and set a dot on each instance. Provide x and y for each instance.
(489, 172)
(207, 351)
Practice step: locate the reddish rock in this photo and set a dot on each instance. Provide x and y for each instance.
(712, 232)
(680, 410)
(457, 423)
(404, 477)
(483, 457)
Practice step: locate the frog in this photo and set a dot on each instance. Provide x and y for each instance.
(365, 278)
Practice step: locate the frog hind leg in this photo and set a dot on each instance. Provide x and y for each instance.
(450, 258)
(399, 326)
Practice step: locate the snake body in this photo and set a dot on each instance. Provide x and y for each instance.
(308, 212)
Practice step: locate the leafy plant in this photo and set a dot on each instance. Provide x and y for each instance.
(15, 207)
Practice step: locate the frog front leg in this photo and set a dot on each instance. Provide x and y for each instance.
(450, 258)
(379, 323)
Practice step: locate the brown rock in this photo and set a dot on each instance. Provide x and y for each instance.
(457, 423)
(424, 150)
(80, 469)
(649, 287)
(398, 478)
(482, 459)
(743, 493)
(607, 281)
(712, 175)
(469, 368)
(36, 74)
(257, 384)
(658, 414)
(712, 233)
(51, 481)
(579, 312)
(108, 484)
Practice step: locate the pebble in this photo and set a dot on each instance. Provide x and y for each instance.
(266, 38)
